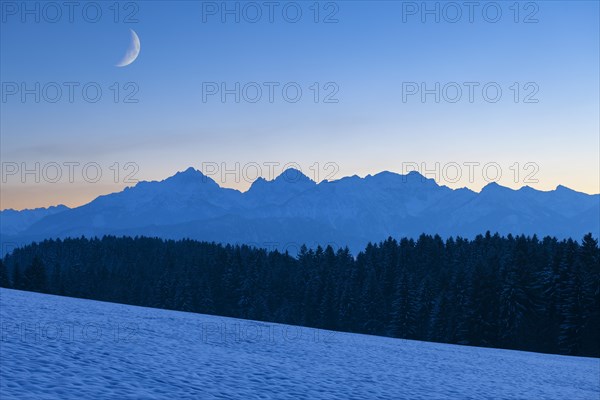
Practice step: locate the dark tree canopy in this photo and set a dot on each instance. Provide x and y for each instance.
(511, 292)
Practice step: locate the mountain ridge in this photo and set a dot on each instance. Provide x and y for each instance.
(293, 208)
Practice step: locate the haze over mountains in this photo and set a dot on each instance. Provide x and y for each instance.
(292, 209)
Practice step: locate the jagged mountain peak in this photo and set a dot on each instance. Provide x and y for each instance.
(293, 175)
(190, 176)
(290, 179)
(188, 173)
(495, 187)
(564, 189)
(292, 208)
(411, 179)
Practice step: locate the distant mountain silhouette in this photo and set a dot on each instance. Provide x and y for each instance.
(12, 221)
(292, 209)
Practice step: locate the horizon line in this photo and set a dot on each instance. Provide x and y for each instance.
(424, 179)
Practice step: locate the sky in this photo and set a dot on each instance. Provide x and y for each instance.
(503, 91)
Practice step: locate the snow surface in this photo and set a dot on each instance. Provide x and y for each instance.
(62, 348)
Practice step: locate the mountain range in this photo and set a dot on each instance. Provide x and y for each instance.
(291, 210)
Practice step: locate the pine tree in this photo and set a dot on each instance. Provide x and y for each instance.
(35, 276)
(512, 292)
(464, 309)
(56, 284)
(438, 320)
(404, 308)
(4, 281)
(570, 294)
(589, 260)
(206, 304)
(17, 281)
(515, 295)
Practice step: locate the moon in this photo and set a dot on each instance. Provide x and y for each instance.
(132, 52)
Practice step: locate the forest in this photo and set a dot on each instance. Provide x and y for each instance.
(513, 292)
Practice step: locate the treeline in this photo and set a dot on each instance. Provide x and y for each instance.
(508, 292)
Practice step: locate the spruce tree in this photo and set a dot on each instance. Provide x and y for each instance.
(34, 277)
(17, 281)
(4, 280)
(589, 260)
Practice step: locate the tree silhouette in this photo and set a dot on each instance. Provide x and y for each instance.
(514, 292)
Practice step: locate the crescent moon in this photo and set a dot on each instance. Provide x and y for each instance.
(132, 52)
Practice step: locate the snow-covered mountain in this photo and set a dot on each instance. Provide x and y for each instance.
(292, 209)
(64, 348)
(12, 221)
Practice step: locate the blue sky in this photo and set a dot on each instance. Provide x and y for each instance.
(371, 52)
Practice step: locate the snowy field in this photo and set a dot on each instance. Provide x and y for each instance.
(61, 348)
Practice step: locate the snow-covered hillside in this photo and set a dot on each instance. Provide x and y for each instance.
(62, 348)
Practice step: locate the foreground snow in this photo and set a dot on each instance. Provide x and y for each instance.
(60, 348)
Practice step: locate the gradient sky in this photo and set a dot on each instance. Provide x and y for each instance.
(372, 49)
